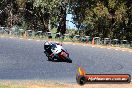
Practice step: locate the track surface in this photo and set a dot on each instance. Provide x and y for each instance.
(23, 59)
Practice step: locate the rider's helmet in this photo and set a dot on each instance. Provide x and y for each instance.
(46, 45)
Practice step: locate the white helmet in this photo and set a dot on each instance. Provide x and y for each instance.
(46, 45)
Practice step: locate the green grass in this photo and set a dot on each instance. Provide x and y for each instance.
(130, 47)
(4, 86)
(67, 39)
(11, 85)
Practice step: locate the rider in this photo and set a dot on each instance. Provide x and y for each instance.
(48, 46)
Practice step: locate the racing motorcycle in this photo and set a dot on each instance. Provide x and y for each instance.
(58, 53)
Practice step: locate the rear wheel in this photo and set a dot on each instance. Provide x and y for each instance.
(68, 60)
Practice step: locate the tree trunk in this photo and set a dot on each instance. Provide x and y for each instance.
(62, 23)
(45, 21)
(45, 26)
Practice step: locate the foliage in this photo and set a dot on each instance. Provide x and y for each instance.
(103, 18)
(109, 18)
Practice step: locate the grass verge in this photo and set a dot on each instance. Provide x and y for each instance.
(52, 84)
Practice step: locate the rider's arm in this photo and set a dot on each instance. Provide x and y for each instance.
(59, 44)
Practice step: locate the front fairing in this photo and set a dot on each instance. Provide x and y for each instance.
(56, 49)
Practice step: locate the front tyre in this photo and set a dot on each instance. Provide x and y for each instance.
(50, 58)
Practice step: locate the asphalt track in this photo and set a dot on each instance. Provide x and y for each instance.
(24, 60)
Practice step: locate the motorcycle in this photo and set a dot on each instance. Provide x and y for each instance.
(59, 53)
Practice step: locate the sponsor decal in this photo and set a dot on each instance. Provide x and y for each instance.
(82, 77)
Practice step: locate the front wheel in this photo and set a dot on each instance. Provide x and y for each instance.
(49, 59)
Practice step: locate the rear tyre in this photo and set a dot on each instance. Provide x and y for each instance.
(69, 60)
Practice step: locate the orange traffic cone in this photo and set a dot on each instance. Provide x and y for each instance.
(93, 41)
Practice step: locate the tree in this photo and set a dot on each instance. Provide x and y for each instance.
(109, 18)
(9, 9)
